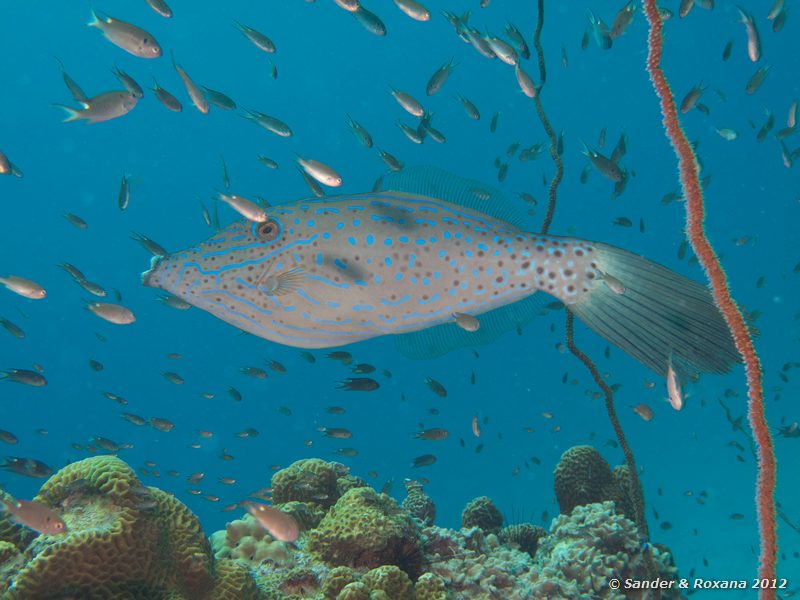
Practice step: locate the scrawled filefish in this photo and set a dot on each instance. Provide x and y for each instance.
(328, 272)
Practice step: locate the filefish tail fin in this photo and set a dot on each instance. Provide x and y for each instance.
(656, 315)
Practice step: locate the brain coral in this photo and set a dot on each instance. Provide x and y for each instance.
(367, 529)
(582, 476)
(390, 580)
(481, 512)
(430, 586)
(313, 480)
(123, 540)
(418, 504)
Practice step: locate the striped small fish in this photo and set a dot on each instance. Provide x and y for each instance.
(333, 271)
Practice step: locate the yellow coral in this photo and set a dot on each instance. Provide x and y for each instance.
(390, 580)
(233, 582)
(367, 529)
(123, 540)
(430, 586)
(309, 480)
(337, 579)
(354, 591)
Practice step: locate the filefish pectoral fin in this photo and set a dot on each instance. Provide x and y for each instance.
(283, 283)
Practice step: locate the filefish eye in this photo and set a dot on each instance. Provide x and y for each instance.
(268, 230)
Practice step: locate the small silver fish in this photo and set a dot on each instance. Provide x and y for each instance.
(130, 38)
(471, 110)
(160, 7)
(414, 9)
(74, 89)
(166, 98)
(408, 102)
(607, 167)
(321, 172)
(129, 82)
(103, 107)
(362, 135)
(113, 313)
(258, 39)
(271, 124)
(24, 376)
(124, 196)
(195, 93)
(438, 79)
(369, 21)
(467, 322)
(245, 207)
(753, 39)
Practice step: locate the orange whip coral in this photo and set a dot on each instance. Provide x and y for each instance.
(695, 215)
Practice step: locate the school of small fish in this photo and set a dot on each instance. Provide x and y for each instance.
(431, 258)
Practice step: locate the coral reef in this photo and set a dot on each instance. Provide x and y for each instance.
(481, 512)
(129, 542)
(590, 546)
(314, 481)
(583, 476)
(418, 504)
(122, 540)
(391, 580)
(367, 529)
(245, 541)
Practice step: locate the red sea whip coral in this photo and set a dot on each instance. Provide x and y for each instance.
(695, 214)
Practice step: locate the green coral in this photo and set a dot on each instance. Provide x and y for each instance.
(313, 480)
(337, 579)
(390, 580)
(367, 529)
(307, 514)
(123, 540)
(430, 586)
(583, 476)
(233, 582)
(481, 512)
(354, 591)
(418, 504)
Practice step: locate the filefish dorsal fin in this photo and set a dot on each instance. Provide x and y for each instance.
(438, 183)
(441, 339)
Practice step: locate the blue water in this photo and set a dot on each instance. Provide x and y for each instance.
(329, 66)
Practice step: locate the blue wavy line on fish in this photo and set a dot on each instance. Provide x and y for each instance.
(332, 271)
